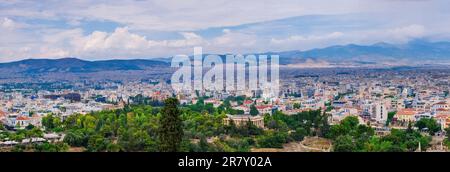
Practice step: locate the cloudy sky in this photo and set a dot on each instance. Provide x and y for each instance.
(122, 29)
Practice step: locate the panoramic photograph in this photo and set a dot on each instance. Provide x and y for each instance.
(253, 76)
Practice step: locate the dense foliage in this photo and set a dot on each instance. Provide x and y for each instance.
(428, 124)
(139, 127)
(350, 136)
(21, 134)
(200, 128)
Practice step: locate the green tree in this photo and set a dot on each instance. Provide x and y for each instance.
(376, 144)
(50, 147)
(97, 143)
(390, 117)
(171, 127)
(74, 138)
(47, 122)
(253, 110)
(350, 122)
(29, 126)
(203, 144)
(272, 139)
(429, 124)
(34, 132)
(447, 131)
(112, 147)
(344, 144)
(298, 134)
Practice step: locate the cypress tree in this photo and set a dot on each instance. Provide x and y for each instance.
(171, 127)
(253, 110)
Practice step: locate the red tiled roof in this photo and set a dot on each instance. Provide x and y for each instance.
(248, 102)
(407, 112)
(442, 116)
(263, 106)
(441, 109)
(22, 118)
(441, 103)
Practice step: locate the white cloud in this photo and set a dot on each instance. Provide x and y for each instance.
(234, 42)
(122, 42)
(397, 35)
(174, 15)
(406, 33)
(309, 38)
(401, 22)
(7, 23)
(190, 39)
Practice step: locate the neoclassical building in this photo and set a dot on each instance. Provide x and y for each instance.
(241, 120)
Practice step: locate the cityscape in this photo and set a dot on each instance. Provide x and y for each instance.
(81, 79)
(384, 100)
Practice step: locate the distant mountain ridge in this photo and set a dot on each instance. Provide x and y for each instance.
(75, 65)
(418, 51)
(415, 52)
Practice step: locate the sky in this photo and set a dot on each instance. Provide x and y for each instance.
(130, 29)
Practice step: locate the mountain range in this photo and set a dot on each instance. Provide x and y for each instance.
(74, 65)
(417, 52)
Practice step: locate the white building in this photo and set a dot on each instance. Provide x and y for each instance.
(381, 113)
